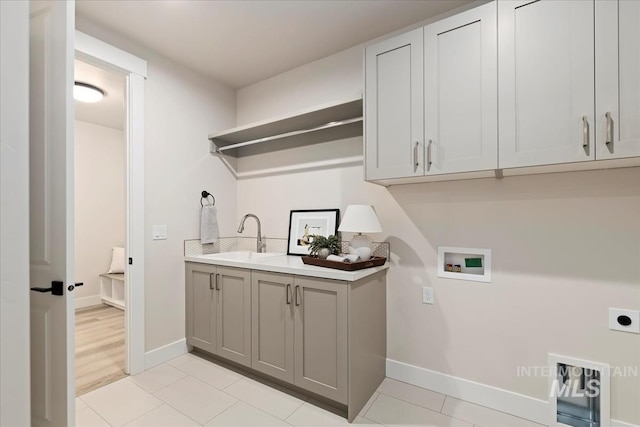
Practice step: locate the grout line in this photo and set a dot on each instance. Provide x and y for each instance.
(95, 412)
(223, 411)
(370, 406)
(443, 402)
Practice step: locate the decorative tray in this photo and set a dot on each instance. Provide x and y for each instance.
(375, 261)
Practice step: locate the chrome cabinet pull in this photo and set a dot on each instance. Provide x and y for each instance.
(585, 132)
(288, 290)
(297, 292)
(429, 162)
(608, 139)
(416, 162)
(211, 283)
(218, 282)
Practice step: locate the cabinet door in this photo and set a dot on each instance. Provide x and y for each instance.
(394, 107)
(233, 287)
(321, 337)
(201, 306)
(461, 92)
(617, 79)
(272, 324)
(546, 82)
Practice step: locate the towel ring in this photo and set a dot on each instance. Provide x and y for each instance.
(206, 195)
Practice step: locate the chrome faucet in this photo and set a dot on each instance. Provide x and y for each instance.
(260, 245)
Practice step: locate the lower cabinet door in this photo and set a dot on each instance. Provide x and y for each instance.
(201, 306)
(233, 289)
(320, 324)
(272, 324)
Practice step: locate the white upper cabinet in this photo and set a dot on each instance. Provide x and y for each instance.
(617, 79)
(394, 107)
(461, 92)
(546, 83)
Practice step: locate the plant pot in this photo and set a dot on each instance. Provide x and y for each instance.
(324, 253)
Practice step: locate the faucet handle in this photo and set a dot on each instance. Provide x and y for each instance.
(263, 244)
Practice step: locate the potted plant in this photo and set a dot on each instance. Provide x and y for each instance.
(322, 246)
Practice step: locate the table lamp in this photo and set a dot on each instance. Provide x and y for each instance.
(360, 219)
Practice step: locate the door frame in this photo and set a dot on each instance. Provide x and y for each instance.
(96, 52)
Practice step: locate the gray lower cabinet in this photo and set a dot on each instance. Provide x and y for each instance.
(218, 312)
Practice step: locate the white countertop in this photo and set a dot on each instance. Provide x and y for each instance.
(280, 263)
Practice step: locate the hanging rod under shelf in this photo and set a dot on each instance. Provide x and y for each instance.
(283, 135)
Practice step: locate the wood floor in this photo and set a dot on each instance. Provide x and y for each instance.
(99, 347)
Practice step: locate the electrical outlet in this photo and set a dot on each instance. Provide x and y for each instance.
(427, 295)
(624, 320)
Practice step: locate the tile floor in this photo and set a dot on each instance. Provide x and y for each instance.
(190, 391)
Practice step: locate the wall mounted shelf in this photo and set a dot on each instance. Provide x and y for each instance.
(327, 122)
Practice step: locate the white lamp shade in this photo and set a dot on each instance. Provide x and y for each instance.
(360, 219)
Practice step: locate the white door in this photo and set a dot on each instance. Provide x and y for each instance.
(617, 79)
(461, 92)
(51, 212)
(545, 81)
(394, 107)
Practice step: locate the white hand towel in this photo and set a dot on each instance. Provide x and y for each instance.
(209, 224)
(343, 258)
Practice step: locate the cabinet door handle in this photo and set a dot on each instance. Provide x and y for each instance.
(218, 282)
(297, 292)
(608, 139)
(429, 155)
(585, 132)
(288, 290)
(416, 162)
(211, 282)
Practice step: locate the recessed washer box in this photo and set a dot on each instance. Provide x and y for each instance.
(464, 263)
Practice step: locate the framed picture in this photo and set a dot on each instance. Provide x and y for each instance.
(304, 224)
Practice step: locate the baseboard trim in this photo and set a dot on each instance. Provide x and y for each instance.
(165, 353)
(87, 301)
(516, 404)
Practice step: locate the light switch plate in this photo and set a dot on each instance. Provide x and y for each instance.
(634, 315)
(159, 232)
(427, 295)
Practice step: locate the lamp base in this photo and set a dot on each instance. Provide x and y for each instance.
(361, 245)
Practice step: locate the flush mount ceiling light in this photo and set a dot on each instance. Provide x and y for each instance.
(84, 92)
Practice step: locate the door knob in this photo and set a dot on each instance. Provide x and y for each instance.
(71, 287)
(56, 288)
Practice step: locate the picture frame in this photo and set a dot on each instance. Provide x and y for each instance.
(309, 222)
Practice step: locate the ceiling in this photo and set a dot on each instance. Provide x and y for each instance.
(242, 42)
(108, 112)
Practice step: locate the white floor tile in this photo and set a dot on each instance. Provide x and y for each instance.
(309, 415)
(393, 412)
(87, 417)
(244, 415)
(156, 378)
(412, 394)
(483, 416)
(367, 405)
(268, 399)
(80, 405)
(210, 373)
(181, 360)
(162, 416)
(121, 402)
(195, 399)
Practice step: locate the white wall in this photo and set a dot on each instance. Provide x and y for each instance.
(100, 177)
(14, 215)
(181, 109)
(565, 249)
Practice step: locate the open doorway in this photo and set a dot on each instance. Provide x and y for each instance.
(100, 228)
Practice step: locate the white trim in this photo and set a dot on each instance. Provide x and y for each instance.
(605, 387)
(516, 404)
(88, 301)
(165, 353)
(481, 394)
(88, 47)
(135, 69)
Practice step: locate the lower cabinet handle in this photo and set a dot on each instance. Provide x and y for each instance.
(585, 132)
(218, 282)
(608, 139)
(297, 292)
(288, 291)
(415, 155)
(429, 154)
(211, 282)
